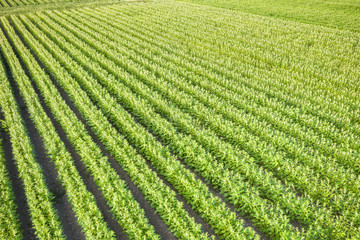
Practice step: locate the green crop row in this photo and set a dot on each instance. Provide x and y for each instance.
(14, 4)
(336, 173)
(177, 145)
(17, 3)
(238, 95)
(270, 46)
(82, 201)
(314, 132)
(318, 163)
(282, 79)
(265, 44)
(338, 203)
(109, 64)
(161, 197)
(123, 205)
(235, 115)
(122, 39)
(9, 222)
(97, 71)
(155, 123)
(184, 182)
(43, 216)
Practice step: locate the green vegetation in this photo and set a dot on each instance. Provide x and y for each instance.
(341, 14)
(83, 203)
(43, 215)
(229, 124)
(132, 219)
(9, 227)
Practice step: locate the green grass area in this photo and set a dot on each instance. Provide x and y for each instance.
(341, 14)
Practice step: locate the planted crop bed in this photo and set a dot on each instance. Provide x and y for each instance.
(175, 120)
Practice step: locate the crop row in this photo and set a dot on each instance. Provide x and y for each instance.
(291, 148)
(160, 195)
(123, 205)
(345, 157)
(197, 162)
(280, 79)
(17, 3)
(271, 47)
(180, 117)
(109, 63)
(289, 168)
(83, 203)
(311, 126)
(328, 132)
(9, 223)
(227, 120)
(193, 191)
(44, 217)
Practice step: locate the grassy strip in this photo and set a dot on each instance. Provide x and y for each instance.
(39, 199)
(81, 200)
(123, 205)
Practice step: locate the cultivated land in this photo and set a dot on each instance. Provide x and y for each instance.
(336, 14)
(174, 120)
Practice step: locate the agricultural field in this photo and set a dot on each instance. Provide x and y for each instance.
(176, 120)
(336, 14)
